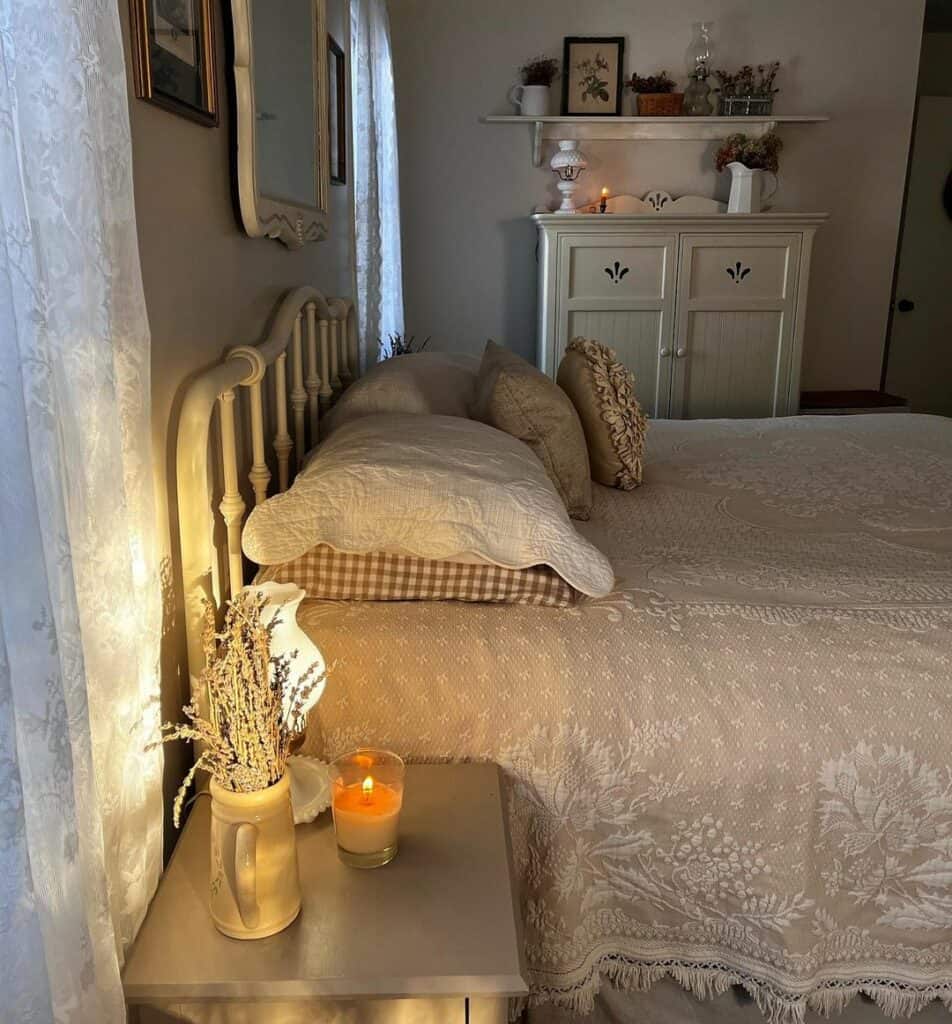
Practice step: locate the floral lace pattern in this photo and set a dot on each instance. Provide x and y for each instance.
(80, 795)
(736, 768)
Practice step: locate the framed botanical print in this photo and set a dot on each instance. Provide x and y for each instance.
(337, 111)
(592, 75)
(173, 50)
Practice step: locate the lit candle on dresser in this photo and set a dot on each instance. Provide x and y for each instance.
(368, 795)
(603, 202)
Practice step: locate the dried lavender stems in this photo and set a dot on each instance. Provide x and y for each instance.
(247, 736)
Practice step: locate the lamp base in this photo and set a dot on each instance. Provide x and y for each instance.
(567, 188)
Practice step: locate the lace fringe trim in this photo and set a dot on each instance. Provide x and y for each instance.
(705, 981)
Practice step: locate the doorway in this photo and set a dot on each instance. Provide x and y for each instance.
(918, 363)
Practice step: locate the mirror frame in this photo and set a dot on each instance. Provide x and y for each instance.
(264, 216)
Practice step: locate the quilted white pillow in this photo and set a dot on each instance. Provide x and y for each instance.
(433, 486)
(428, 383)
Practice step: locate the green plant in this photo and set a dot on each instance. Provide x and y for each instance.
(661, 82)
(591, 81)
(398, 345)
(749, 81)
(761, 153)
(539, 71)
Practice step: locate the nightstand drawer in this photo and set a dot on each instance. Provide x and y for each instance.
(741, 268)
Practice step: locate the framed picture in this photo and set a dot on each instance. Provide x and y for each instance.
(592, 75)
(337, 111)
(173, 50)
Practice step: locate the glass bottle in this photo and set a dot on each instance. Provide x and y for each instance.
(699, 59)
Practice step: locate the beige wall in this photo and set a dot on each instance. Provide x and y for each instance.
(469, 266)
(208, 287)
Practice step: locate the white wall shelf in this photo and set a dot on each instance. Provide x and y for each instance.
(676, 129)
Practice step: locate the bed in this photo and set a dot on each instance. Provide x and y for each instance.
(734, 769)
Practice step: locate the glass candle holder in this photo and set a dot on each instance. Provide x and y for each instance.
(368, 795)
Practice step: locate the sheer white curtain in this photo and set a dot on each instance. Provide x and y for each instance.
(80, 797)
(376, 177)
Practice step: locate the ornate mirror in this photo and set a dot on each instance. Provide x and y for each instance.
(280, 67)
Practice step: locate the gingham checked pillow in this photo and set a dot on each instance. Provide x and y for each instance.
(334, 575)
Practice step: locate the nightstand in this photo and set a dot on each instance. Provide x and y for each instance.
(432, 938)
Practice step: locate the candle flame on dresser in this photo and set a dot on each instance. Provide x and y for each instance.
(367, 786)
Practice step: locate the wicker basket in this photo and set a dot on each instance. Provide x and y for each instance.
(660, 104)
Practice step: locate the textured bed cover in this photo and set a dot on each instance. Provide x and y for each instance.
(736, 768)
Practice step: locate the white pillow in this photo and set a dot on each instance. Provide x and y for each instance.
(433, 486)
(428, 383)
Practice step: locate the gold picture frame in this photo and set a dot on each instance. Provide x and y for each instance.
(173, 57)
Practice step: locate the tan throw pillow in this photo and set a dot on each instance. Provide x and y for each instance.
(515, 397)
(603, 392)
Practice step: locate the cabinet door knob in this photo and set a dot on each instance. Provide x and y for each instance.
(681, 353)
(665, 352)
(905, 305)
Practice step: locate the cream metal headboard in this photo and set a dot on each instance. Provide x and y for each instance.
(309, 356)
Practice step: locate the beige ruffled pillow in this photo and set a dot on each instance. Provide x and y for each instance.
(603, 392)
(515, 397)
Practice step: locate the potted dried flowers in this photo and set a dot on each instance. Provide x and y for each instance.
(399, 345)
(256, 707)
(748, 92)
(656, 96)
(532, 97)
(747, 158)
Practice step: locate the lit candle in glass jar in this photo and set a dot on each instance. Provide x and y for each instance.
(368, 795)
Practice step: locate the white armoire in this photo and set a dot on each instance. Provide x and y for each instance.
(706, 309)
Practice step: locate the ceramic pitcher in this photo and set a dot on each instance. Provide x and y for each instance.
(745, 189)
(747, 195)
(254, 873)
(531, 100)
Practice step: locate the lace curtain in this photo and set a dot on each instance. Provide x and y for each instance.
(80, 796)
(378, 261)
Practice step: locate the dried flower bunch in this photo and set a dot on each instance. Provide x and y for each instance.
(749, 81)
(398, 345)
(761, 153)
(248, 733)
(661, 82)
(539, 71)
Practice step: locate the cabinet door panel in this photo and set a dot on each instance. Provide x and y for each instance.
(742, 268)
(734, 342)
(731, 366)
(611, 269)
(629, 307)
(637, 336)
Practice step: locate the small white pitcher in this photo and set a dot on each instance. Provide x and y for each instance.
(531, 100)
(747, 189)
(254, 872)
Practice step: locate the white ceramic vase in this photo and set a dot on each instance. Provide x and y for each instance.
(254, 872)
(746, 185)
(530, 100)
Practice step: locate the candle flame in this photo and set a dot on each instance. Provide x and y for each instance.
(367, 786)
(605, 191)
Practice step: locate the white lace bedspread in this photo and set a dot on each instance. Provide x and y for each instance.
(738, 766)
